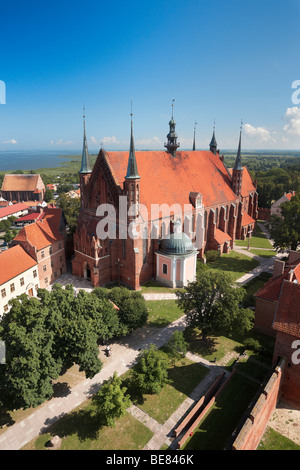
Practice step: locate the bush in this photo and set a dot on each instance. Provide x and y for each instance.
(212, 255)
(252, 344)
(133, 313)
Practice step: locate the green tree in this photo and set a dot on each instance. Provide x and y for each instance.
(213, 303)
(177, 346)
(285, 230)
(111, 401)
(150, 373)
(70, 207)
(48, 196)
(26, 378)
(133, 312)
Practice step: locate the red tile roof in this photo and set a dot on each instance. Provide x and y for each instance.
(43, 233)
(290, 195)
(10, 210)
(14, 262)
(271, 290)
(287, 316)
(222, 237)
(32, 216)
(22, 182)
(247, 220)
(172, 179)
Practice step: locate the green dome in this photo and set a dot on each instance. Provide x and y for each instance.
(177, 244)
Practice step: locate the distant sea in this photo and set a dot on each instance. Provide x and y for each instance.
(11, 160)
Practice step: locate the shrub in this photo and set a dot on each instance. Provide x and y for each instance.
(212, 255)
(252, 344)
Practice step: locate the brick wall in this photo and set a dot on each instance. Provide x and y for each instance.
(264, 316)
(290, 389)
(258, 418)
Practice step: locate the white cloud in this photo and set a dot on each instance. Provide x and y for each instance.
(260, 133)
(109, 140)
(11, 141)
(93, 140)
(292, 116)
(61, 142)
(150, 141)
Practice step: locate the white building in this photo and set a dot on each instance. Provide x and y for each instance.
(13, 210)
(18, 275)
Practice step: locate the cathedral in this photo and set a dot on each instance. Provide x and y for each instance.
(177, 205)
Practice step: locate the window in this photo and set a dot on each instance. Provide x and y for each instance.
(44, 268)
(42, 254)
(36, 287)
(3, 293)
(59, 246)
(165, 268)
(60, 258)
(55, 274)
(52, 264)
(50, 250)
(145, 245)
(5, 308)
(124, 248)
(22, 282)
(34, 273)
(12, 287)
(46, 280)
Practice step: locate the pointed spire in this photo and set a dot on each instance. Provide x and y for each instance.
(172, 144)
(132, 171)
(238, 160)
(194, 141)
(85, 159)
(213, 143)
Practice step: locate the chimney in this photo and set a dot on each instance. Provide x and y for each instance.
(278, 268)
(291, 275)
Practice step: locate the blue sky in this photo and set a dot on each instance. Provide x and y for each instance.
(220, 60)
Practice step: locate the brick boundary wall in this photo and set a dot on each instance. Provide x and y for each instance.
(206, 408)
(258, 418)
(264, 213)
(197, 406)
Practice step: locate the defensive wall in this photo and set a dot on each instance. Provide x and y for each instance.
(257, 419)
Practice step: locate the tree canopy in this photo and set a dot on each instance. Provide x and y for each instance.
(213, 303)
(285, 230)
(50, 333)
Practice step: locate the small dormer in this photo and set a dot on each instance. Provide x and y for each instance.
(196, 200)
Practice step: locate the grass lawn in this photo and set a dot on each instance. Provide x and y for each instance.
(272, 440)
(184, 376)
(214, 347)
(234, 263)
(162, 312)
(215, 430)
(263, 253)
(155, 287)
(258, 240)
(81, 431)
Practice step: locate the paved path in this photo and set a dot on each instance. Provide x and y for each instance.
(124, 355)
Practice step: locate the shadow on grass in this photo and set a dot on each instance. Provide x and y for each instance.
(85, 423)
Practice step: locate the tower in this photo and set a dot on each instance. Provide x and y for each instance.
(172, 144)
(85, 170)
(194, 141)
(132, 179)
(213, 143)
(237, 172)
